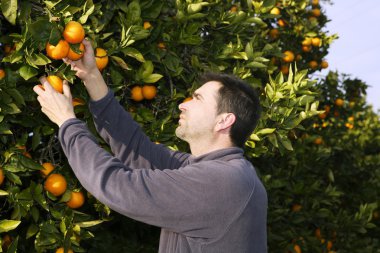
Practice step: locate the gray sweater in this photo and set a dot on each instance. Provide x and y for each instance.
(210, 203)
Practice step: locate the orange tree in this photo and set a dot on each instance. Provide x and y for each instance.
(161, 47)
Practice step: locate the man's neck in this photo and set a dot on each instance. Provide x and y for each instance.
(204, 148)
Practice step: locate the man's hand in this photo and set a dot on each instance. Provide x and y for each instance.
(58, 107)
(85, 67)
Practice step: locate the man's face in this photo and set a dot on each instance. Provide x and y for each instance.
(198, 116)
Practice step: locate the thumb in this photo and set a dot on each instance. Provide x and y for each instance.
(66, 89)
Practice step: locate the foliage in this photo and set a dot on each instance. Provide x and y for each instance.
(168, 44)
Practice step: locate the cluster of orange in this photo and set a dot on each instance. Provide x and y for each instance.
(73, 34)
(56, 184)
(318, 235)
(338, 103)
(139, 93)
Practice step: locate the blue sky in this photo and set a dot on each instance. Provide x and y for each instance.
(357, 51)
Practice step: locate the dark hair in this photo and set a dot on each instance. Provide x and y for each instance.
(238, 97)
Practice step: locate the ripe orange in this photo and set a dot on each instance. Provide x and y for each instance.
(281, 22)
(306, 49)
(314, 2)
(56, 83)
(74, 32)
(149, 91)
(351, 118)
(101, 58)
(59, 51)
(8, 49)
(284, 69)
(316, 12)
(318, 233)
(161, 45)
(6, 242)
(306, 41)
(275, 11)
(27, 154)
(76, 200)
(327, 108)
(329, 245)
(2, 73)
(298, 57)
(234, 9)
(147, 25)
(72, 55)
(296, 208)
(318, 141)
(48, 167)
(313, 64)
(136, 94)
(339, 102)
(2, 177)
(55, 184)
(297, 248)
(274, 33)
(288, 56)
(316, 42)
(62, 250)
(187, 99)
(324, 64)
(322, 115)
(78, 101)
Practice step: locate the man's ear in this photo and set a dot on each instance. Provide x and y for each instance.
(225, 121)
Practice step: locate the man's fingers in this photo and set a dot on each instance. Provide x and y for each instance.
(88, 47)
(66, 89)
(38, 89)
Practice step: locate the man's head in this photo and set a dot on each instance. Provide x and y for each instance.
(237, 97)
(225, 105)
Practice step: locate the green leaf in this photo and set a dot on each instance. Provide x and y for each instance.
(87, 224)
(38, 59)
(121, 62)
(16, 95)
(152, 78)
(255, 64)
(41, 30)
(3, 193)
(27, 72)
(134, 53)
(32, 230)
(7, 225)
(88, 9)
(266, 131)
(9, 9)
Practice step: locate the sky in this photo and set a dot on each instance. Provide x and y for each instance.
(357, 50)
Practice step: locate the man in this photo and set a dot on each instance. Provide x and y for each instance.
(208, 201)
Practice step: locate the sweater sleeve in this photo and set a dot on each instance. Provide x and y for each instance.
(194, 200)
(127, 141)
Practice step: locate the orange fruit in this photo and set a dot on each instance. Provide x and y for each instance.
(48, 167)
(288, 56)
(6, 241)
(327, 108)
(161, 45)
(59, 51)
(324, 64)
(316, 12)
(78, 101)
(306, 41)
(274, 33)
(187, 99)
(284, 69)
(322, 115)
(314, 2)
(74, 32)
(76, 200)
(9, 49)
(62, 250)
(234, 9)
(149, 91)
(296, 208)
(2, 177)
(101, 58)
(318, 141)
(318, 233)
(275, 11)
(136, 94)
(27, 154)
(281, 22)
(74, 56)
(56, 83)
(351, 118)
(2, 73)
(329, 245)
(297, 248)
(306, 49)
(339, 102)
(298, 57)
(316, 42)
(55, 184)
(147, 25)
(313, 64)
